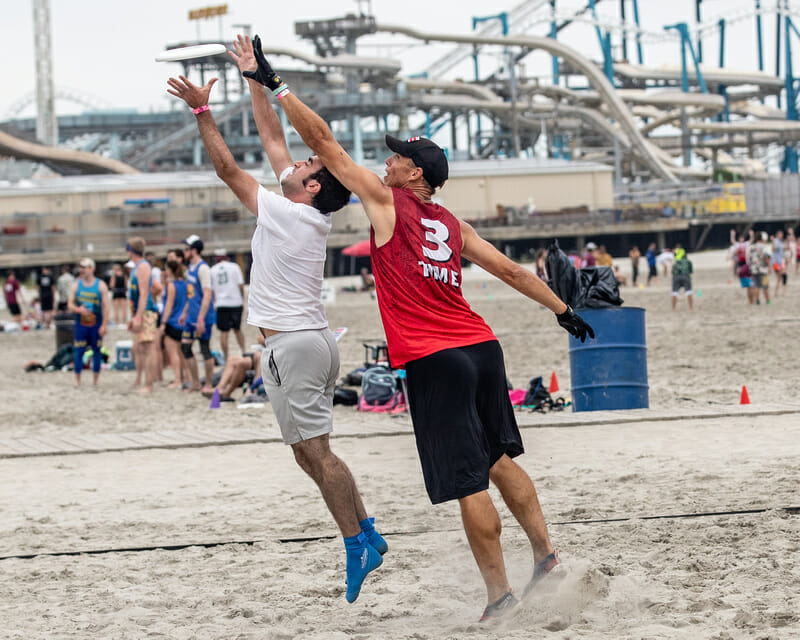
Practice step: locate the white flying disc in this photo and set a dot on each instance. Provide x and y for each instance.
(189, 53)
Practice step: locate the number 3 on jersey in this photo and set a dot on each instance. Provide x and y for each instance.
(437, 234)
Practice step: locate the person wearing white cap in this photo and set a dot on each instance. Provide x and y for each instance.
(300, 363)
(227, 285)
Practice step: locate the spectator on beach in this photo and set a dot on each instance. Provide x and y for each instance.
(778, 263)
(620, 277)
(47, 294)
(64, 286)
(463, 420)
(285, 302)
(367, 281)
(118, 285)
(236, 372)
(171, 330)
(227, 285)
(682, 270)
(15, 300)
(144, 317)
(89, 301)
(540, 259)
(198, 314)
(157, 287)
(665, 260)
(793, 254)
(758, 260)
(588, 259)
(635, 255)
(746, 282)
(603, 258)
(739, 247)
(650, 256)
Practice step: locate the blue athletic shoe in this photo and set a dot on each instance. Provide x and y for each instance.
(373, 537)
(361, 559)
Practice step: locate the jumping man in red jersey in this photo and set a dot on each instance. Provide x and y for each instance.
(463, 420)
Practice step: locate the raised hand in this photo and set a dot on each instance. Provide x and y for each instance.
(190, 93)
(243, 55)
(265, 74)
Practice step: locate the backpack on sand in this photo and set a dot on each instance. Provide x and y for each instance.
(537, 395)
(380, 391)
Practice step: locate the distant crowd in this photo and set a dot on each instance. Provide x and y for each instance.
(166, 306)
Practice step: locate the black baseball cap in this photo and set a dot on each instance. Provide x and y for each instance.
(427, 155)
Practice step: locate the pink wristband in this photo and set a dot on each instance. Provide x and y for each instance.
(200, 110)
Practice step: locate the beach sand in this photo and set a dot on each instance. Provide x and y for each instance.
(680, 521)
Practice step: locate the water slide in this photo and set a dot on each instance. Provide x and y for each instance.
(67, 159)
(619, 111)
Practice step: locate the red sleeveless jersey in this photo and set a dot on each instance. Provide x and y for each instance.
(418, 283)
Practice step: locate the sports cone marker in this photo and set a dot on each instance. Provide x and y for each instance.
(745, 399)
(553, 383)
(214, 400)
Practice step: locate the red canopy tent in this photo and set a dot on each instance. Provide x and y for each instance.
(357, 250)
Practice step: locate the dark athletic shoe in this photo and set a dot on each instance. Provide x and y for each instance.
(541, 569)
(500, 607)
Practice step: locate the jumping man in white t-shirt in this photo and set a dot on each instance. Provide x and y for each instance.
(300, 363)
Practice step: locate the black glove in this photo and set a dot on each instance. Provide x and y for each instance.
(265, 74)
(573, 323)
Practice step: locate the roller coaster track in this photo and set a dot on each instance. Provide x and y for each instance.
(61, 159)
(617, 108)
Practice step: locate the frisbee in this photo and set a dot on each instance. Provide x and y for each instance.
(189, 53)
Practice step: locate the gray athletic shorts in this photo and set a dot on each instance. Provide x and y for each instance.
(300, 369)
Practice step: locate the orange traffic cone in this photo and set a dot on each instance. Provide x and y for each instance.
(745, 399)
(553, 383)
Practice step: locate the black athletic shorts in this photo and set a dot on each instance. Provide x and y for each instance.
(13, 309)
(229, 318)
(46, 302)
(462, 416)
(173, 332)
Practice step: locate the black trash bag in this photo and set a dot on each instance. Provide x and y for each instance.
(565, 280)
(601, 286)
(593, 287)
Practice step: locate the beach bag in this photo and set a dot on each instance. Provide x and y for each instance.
(537, 395)
(347, 397)
(380, 391)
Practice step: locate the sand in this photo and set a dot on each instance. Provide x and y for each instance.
(617, 488)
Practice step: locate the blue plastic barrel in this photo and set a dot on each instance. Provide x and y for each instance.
(610, 370)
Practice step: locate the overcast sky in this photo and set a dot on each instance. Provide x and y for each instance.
(106, 49)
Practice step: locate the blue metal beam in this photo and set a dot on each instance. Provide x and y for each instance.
(605, 46)
(686, 42)
(638, 34)
(790, 161)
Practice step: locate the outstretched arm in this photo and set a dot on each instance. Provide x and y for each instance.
(477, 250)
(243, 185)
(374, 195)
(269, 125)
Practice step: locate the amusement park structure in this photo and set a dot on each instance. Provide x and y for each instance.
(651, 123)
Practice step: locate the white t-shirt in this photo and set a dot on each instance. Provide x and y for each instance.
(288, 264)
(226, 278)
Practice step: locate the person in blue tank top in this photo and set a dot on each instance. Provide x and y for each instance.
(198, 315)
(171, 327)
(144, 316)
(88, 300)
